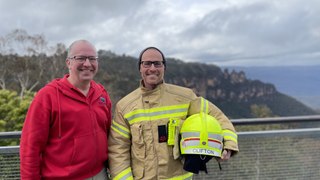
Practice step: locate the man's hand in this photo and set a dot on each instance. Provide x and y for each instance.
(226, 154)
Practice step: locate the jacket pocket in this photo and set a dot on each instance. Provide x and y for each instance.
(138, 151)
(138, 145)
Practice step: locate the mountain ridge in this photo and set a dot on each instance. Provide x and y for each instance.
(235, 94)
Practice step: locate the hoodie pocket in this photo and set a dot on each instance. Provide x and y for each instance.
(84, 154)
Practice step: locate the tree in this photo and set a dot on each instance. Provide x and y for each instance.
(56, 63)
(20, 42)
(13, 110)
(261, 111)
(3, 72)
(28, 68)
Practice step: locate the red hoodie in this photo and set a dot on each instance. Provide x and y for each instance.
(65, 133)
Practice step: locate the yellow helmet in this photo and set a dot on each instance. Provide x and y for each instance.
(201, 134)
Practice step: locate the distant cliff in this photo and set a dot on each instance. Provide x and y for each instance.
(300, 82)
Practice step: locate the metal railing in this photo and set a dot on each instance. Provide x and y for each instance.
(290, 153)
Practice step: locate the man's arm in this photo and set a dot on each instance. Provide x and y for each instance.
(33, 140)
(230, 136)
(119, 144)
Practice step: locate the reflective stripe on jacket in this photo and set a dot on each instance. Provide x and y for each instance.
(134, 148)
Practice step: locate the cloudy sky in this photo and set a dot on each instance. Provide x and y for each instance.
(223, 32)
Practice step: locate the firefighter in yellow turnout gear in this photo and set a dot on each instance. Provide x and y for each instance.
(140, 144)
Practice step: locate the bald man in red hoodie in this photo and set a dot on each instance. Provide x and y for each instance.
(66, 128)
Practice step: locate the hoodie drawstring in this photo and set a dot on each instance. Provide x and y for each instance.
(59, 112)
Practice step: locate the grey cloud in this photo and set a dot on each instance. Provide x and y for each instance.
(254, 31)
(246, 32)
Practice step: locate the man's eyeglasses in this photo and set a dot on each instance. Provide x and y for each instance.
(82, 59)
(148, 64)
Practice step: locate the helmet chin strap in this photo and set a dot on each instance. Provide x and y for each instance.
(202, 157)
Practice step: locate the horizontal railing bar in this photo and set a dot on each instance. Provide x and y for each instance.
(275, 120)
(267, 133)
(293, 132)
(10, 135)
(251, 121)
(9, 149)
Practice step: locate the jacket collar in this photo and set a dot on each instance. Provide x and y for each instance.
(145, 90)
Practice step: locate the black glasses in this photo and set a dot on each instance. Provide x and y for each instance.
(82, 59)
(148, 64)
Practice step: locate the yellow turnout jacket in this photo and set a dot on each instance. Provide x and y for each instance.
(134, 148)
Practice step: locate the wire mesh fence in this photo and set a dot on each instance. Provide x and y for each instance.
(264, 155)
(271, 157)
(9, 163)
